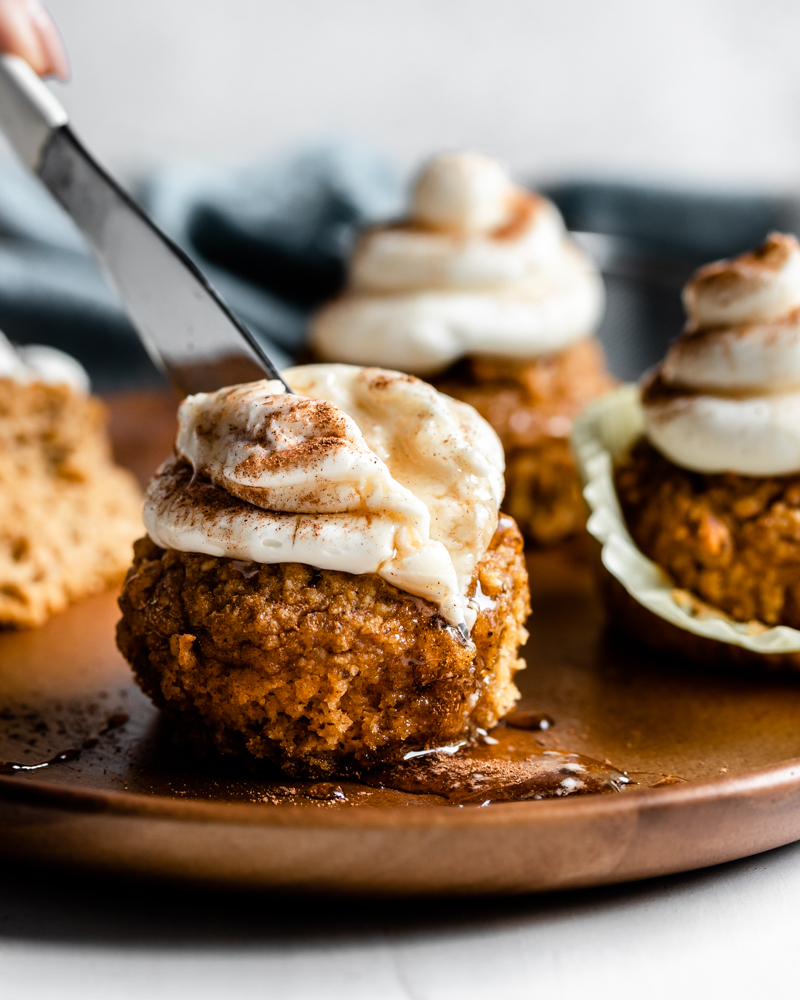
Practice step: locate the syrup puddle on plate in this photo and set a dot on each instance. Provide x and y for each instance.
(112, 722)
(507, 765)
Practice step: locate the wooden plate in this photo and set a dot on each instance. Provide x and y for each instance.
(715, 759)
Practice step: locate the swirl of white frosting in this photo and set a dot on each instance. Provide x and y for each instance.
(747, 358)
(38, 363)
(727, 396)
(481, 267)
(404, 259)
(364, 471)
(465, 193)
(757, 286)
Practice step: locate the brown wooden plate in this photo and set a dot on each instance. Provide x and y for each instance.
(715, 759)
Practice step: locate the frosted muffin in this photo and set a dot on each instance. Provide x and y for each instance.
(710, 491)
(327, 583)
(68, 514)
(481, 291)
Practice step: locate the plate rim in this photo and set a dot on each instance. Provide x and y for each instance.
(69, 799)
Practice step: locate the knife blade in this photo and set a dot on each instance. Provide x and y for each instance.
(183, 323)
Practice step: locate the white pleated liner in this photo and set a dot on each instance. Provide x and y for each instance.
(603, 433)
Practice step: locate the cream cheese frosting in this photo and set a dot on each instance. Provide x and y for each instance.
(727, 396)
(38, 363)
(364, 471)
(480, 267)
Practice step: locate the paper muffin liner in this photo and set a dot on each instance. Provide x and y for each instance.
(603, 433)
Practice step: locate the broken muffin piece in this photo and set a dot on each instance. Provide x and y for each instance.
(68, 514)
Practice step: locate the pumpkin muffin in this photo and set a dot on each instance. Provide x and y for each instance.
(481, 291)
(68, 514)
(710, 491)
(326, 584)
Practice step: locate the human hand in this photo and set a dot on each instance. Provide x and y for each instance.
(28, 30)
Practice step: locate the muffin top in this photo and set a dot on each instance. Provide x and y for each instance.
(364, 471)
(726, 398)
(479, 267)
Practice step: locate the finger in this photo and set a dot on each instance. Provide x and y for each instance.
(50, 38)
(27, 30)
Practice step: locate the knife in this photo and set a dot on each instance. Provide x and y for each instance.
(188, 331)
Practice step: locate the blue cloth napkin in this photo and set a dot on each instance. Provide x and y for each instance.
(274, 239)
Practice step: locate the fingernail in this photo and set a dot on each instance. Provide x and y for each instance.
(19, 36)
(50, 39)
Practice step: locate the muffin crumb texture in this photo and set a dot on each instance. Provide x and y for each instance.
(734, 541)
(318, 671)
(531, 404)
(68, 515)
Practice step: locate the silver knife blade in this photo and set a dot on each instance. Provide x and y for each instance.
(185, 326)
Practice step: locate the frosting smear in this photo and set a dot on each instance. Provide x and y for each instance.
(364, 471)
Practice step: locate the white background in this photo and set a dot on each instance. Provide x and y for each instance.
(729, 932)
(701, 91)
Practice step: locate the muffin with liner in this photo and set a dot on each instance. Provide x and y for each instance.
(693, 478)
(326, 583)
(481, 291)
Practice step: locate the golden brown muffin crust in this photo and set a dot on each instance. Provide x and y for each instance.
(531, 405)
(734, 541)
(317, 670)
